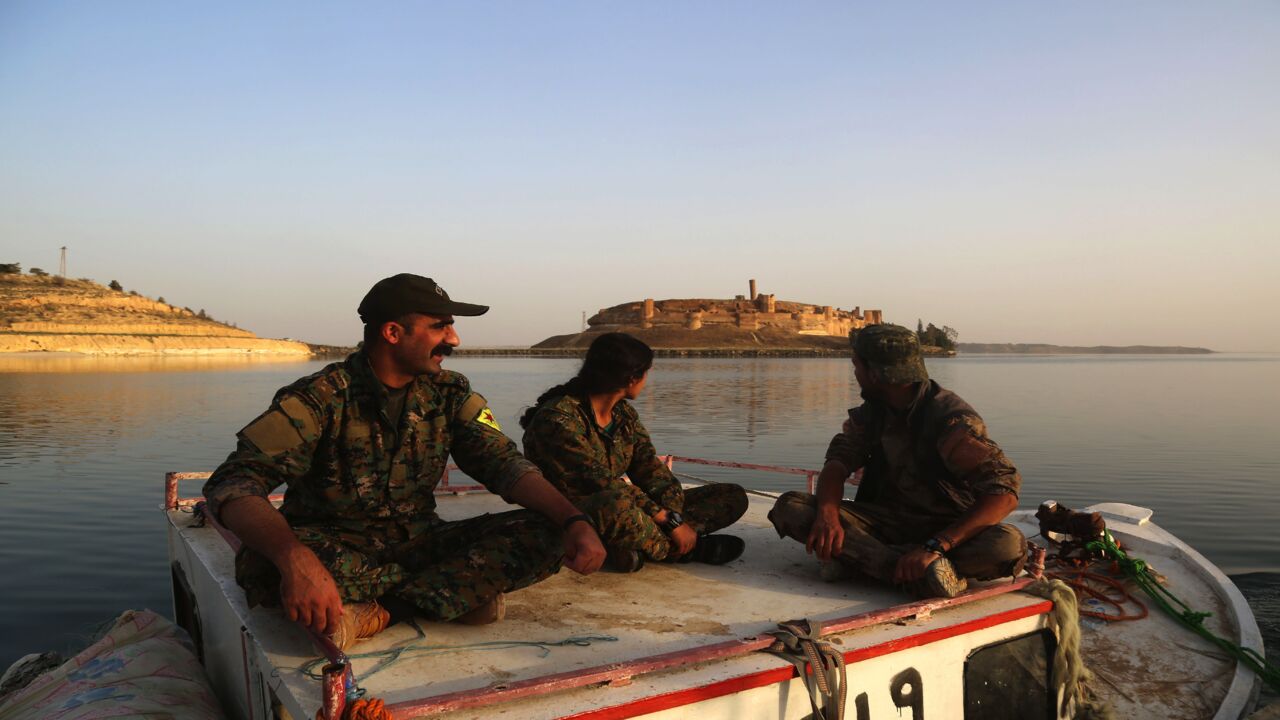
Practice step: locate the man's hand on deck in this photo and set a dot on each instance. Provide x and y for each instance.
(826, 536)
(683, 539)
(912, 565)
(583, 552)
(308, 594)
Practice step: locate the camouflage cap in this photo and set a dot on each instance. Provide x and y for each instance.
(892, 350)
(402, 294)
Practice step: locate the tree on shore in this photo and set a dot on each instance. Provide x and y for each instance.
(38, 272)
(10, 269)
(115, 285)
(944, 337)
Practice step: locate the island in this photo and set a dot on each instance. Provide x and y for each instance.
(755, 324)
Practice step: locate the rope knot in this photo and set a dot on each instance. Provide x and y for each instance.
(800, 643)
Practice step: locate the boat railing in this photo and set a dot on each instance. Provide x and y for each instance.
(810, 476)
(172, 500)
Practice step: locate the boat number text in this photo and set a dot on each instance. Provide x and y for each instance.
(906, 690)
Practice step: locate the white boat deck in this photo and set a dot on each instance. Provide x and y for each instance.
(696, 620)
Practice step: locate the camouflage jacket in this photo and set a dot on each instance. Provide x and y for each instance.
(329, 439)
(934, 459)
(579, 459)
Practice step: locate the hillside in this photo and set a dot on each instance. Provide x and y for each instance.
(51, 314)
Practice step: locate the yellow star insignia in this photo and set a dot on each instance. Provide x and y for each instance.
(486, 418)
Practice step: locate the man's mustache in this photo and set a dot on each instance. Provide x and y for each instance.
(443, 349)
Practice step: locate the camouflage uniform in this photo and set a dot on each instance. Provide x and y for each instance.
(912, 487)
(360, 491)
(587, 464)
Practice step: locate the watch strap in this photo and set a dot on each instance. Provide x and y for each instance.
(673, 521)
(580, 517)
(934, 545)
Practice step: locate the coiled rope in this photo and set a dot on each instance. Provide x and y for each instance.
(1107, 590)
(1137, 571)
(1070, 676)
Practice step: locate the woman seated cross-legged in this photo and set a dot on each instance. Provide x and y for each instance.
(585, 436)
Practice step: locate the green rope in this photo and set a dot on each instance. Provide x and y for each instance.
(387, 658)
(1138, 571)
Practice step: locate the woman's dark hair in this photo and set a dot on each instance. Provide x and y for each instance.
(613, 361)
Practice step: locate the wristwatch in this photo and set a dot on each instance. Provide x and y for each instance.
(673, 521)
(934, 545)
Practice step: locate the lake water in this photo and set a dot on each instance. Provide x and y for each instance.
(85, 443)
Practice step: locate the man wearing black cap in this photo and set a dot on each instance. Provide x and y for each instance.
(934, 488)
(361, 446)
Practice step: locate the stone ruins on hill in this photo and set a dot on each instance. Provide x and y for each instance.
(754, 311)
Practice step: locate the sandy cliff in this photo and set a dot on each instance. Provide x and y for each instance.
(47, 314)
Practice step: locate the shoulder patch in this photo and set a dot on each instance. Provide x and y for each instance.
(486, 418)
(272, 433)
(470, 407)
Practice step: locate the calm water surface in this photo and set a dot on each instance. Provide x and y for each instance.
(85, 443)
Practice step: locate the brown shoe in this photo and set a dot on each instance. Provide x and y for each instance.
(490, 612)
(940, 580)
(360, 621)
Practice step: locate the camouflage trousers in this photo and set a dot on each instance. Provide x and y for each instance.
(875, 534)
(623, 525)
(444, 572)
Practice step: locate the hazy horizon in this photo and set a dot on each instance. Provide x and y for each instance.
(1087, 174)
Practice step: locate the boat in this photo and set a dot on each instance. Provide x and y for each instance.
(697, 641)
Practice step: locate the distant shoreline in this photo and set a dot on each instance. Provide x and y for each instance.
(1046, 349)
(333, 351)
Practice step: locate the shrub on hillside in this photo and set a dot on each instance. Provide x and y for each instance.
(115, 285)
(10, 268)
(38, 272)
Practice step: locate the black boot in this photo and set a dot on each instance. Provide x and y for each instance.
(623, 561)
(716, 550)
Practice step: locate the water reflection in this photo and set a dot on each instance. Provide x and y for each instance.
(78, 363)
(84, 444)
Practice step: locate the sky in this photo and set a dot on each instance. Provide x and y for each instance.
(1085, 173)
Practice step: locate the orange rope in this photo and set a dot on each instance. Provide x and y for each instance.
(362, 709)
(1107, 589)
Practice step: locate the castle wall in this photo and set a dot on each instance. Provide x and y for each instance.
(749, 313)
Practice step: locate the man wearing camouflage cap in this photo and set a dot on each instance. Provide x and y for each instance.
(934, 487)
(361, 445)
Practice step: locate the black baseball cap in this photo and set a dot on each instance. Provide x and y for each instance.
(406, 293)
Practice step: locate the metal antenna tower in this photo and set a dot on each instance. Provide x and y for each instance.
(62, 263)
